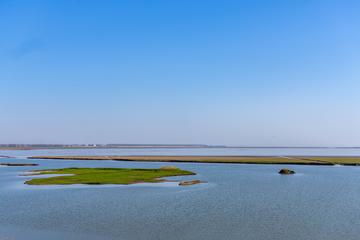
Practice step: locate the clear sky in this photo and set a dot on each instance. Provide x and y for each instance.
(254, 73)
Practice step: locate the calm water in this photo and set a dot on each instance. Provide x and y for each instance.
(237, 202)
(193, 151)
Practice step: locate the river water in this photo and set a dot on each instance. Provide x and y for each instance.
(238, 201)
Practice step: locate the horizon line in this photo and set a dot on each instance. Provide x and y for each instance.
(94, 145)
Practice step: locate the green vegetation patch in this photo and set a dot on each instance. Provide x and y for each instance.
(104, 176)
(355, 161)
(200, 159)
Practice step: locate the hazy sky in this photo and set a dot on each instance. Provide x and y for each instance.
(259, 73)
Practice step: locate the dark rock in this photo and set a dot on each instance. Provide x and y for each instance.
(286, 171)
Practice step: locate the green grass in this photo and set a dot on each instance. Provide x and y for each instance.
(297, 160)
(104, 176)
(199, 159)
(336, 160)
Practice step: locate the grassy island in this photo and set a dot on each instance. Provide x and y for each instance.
(293, 160)
(105, 175)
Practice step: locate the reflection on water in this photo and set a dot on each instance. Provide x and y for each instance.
(238, 202)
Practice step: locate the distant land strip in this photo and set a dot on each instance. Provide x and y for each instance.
(294, 160)
(95, 146)
(111, 146)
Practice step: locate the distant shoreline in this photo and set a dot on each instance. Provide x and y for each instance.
(144, 146)
(31, 147)
(290, 160)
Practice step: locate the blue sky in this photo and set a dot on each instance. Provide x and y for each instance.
(245, 73)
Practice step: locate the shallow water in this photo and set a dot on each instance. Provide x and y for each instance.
(237, 202)
(190, 151)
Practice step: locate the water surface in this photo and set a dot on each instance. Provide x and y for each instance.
(190, 151)
(238, 201)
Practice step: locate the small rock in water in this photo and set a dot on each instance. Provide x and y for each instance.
(187, 183)
(286, 171)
